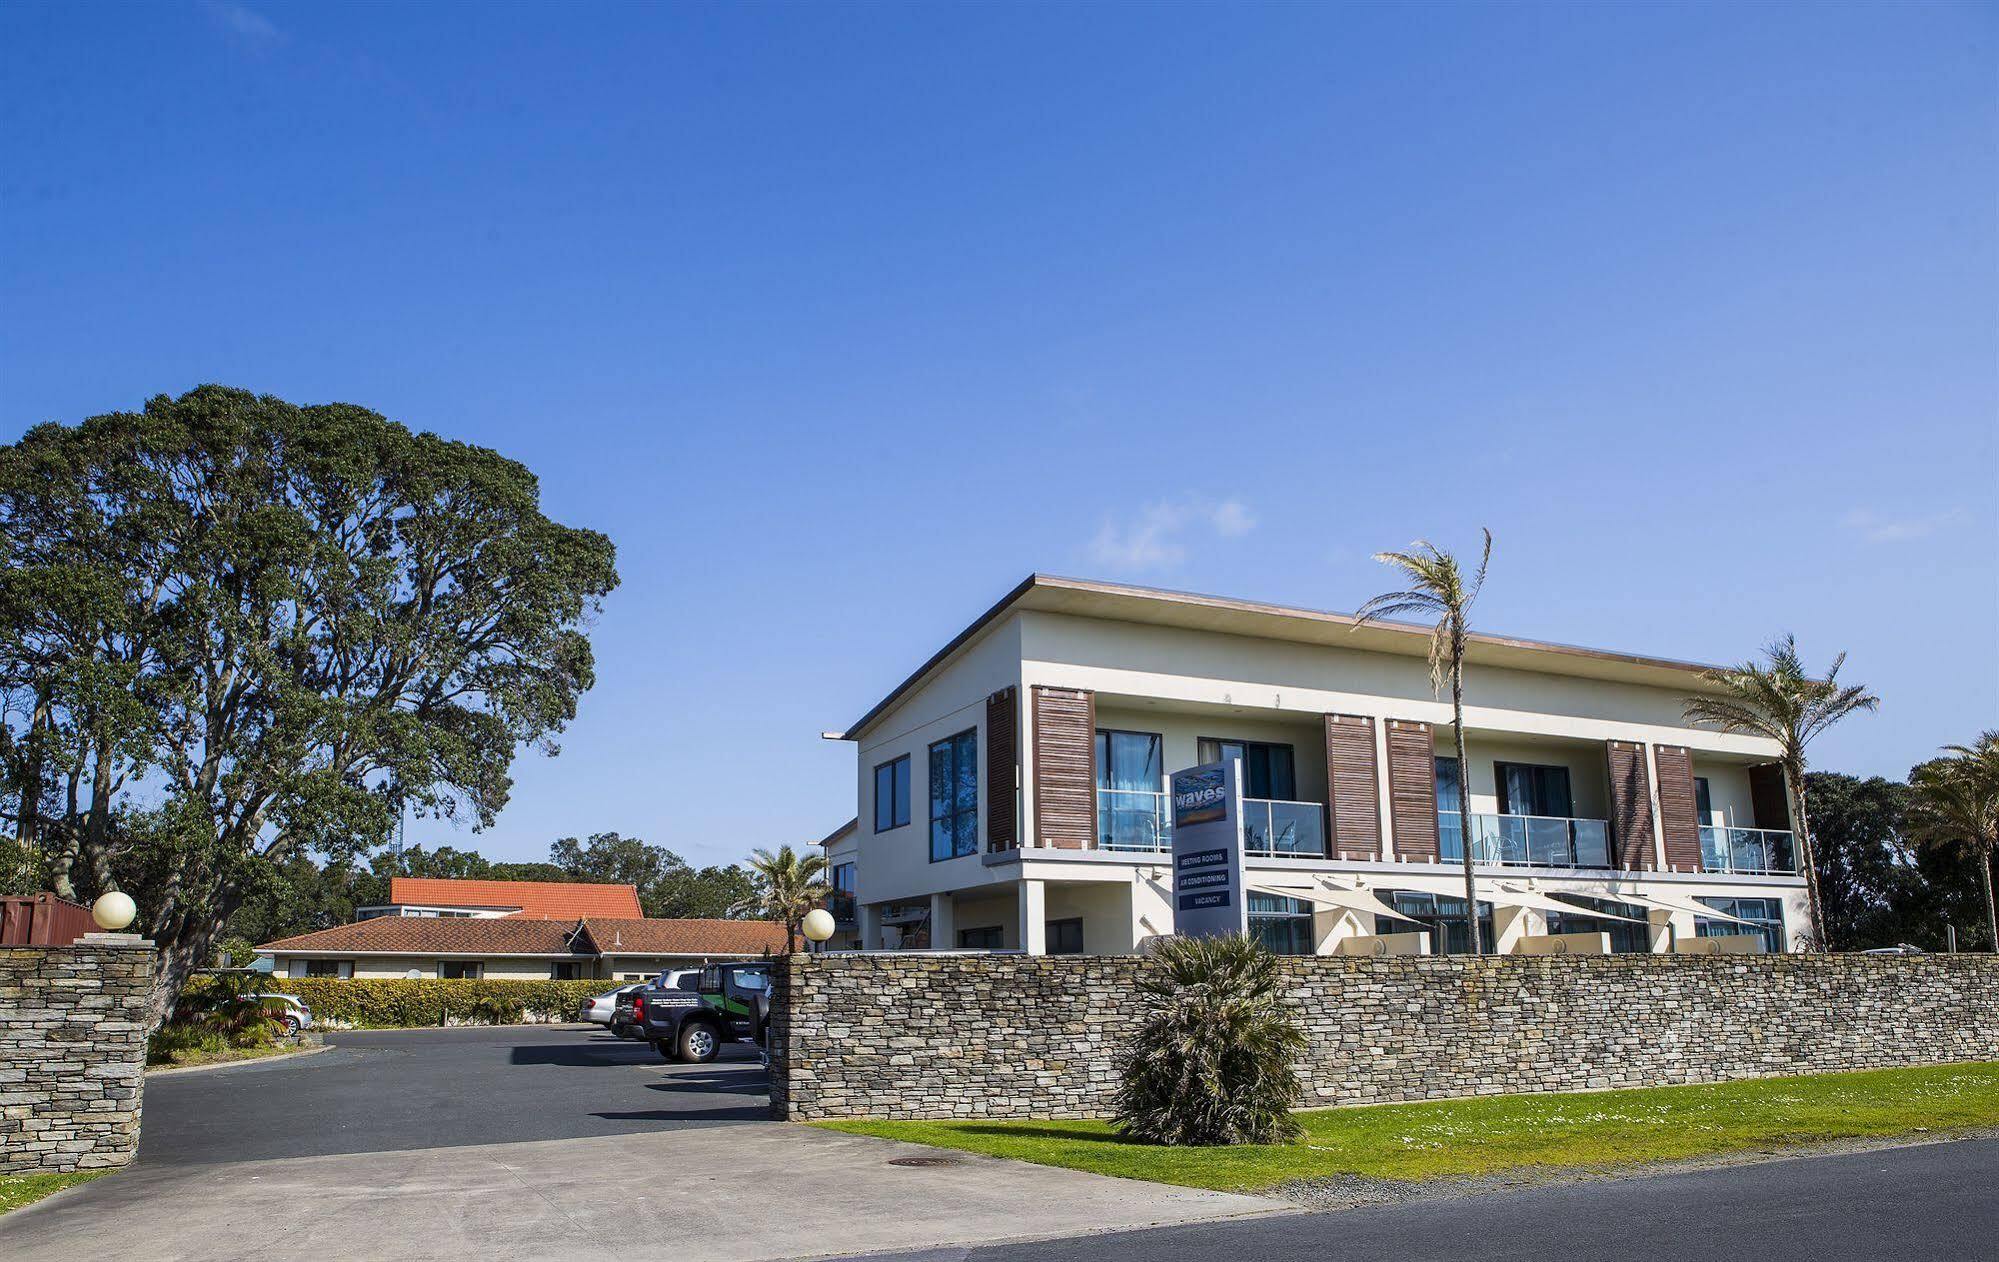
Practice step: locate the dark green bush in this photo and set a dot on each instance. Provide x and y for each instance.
(1213, 1063)
(398, 1003)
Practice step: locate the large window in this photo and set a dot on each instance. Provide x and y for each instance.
(565, 970)
(954, 797)
(459, 970)
(1765, 916)
(1282, 924)
(1443, 917)
(1131, 801)
(328, 968)
(892, 794)
(1625, 938)
(1527, 789)
(1266, 769)
(988, 938)
(843, 878)
(1065, 937)
(1703, 801)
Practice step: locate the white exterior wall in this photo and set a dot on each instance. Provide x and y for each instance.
(897, 865)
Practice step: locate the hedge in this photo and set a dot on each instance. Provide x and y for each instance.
(401, 1003)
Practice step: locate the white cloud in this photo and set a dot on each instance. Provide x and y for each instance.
(1155, 538)
(1881, 528)
(246, 24)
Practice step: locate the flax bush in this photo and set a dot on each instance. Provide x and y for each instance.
(1213, 1063)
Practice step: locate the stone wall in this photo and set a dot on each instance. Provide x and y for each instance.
(1016, 1036)
(72, 1053)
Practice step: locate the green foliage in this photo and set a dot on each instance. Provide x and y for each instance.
(402, 1003)
(1954, 808)
(294, 623)
(1213, 1063)
(788, 886)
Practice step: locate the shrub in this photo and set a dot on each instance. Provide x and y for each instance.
(401, 1003)
(1213, 1062)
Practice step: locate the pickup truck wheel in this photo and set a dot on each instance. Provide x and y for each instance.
(665, 1052)
(699, 1043)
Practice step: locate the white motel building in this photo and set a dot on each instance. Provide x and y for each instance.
(1012, 791)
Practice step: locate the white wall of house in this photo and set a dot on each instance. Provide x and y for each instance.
(898, 862)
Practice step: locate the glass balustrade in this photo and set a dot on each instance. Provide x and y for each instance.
(1141, 822)
(1759, 851)
(1284, 829)
(1541, 841)
(1134, 820)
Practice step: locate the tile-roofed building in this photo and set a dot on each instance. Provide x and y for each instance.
(539, 900)
(519, 948)
(609, 936)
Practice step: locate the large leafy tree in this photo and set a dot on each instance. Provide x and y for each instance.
(1779, 700)
(279, 627)
(1438, 589)
(1955, 806)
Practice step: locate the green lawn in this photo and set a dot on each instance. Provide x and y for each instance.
(1459, 1138)
(17, 1190)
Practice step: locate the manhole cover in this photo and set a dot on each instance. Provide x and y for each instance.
(924, 1161)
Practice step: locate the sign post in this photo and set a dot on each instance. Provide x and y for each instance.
(1208, 897)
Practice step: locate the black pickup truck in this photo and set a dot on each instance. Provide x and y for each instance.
(723, 1003)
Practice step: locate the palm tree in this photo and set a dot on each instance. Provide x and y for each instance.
(1956, 803)
(788, 886)
(1779, 701)
(1437, 589)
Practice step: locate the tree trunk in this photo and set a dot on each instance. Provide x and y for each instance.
(1985, 878)
(1464, 797)
(1806, 854)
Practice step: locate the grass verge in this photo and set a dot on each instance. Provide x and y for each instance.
(1467, 1138)
(182, 1058)
(17, 1190)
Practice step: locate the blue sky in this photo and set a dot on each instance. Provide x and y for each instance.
(842, 319)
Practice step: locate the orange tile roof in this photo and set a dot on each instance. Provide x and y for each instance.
(607, 935)
(539, 900)
(437, 935)
(520, 935)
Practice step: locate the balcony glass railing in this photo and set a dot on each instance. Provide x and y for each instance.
(1753, 850)
(1137, 821)
(1284, 829)
(1134, 820)
(1539, 841)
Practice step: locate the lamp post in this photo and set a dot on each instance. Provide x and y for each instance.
(817, 926)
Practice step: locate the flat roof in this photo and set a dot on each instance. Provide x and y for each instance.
(1156, 606)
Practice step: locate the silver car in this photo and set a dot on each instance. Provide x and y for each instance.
(598, 1011)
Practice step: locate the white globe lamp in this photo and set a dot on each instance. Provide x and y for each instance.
(818, 925)
(114, 911)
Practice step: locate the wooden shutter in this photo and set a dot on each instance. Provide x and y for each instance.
(1065, 768)
(1353, 794)
(1412, 788)
(1679, 808)
(1768, 799)
(1630, 806)
(1002, 770)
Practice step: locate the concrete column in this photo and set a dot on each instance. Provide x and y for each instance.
(871, 926)
(1033, 918)
(1652, 803)
(943, 922)
(1382, 791)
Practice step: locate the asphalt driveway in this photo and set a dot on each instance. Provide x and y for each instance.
(397, 1090)
(526, 1142)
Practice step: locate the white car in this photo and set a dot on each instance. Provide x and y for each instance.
(291, 1014)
